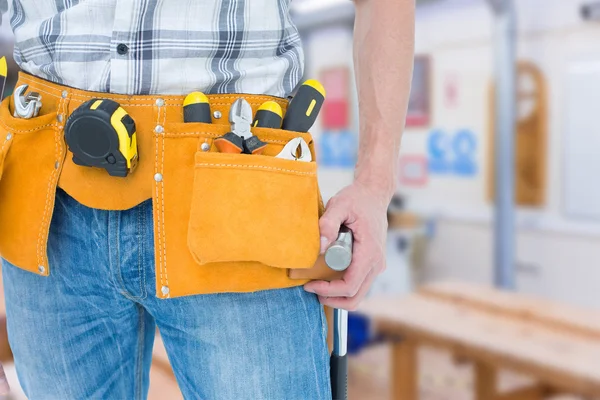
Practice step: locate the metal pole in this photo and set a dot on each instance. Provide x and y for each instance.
(504, 138)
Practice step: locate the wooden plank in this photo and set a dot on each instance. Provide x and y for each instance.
(524, 346)
(550, 314)
(485, 381)
(404, 381)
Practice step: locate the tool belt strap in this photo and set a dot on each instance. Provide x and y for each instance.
(198, 193)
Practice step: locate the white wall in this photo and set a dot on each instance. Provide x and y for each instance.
(558, 257)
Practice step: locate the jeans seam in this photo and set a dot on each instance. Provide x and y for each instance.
(306, 314)
(141, 252)
(122, 287)
(121, 283)
(139, 365)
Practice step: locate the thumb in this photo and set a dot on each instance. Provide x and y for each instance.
(329, 225)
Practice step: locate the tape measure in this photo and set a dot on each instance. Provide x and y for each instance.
(101, 134)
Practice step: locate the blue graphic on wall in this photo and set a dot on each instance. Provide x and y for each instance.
(338, 149)
(438, 147)
(452, 154)
(464, 146)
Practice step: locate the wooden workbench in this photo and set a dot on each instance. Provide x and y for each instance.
(558, 346)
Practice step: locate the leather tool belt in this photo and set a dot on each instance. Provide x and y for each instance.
(222, 222)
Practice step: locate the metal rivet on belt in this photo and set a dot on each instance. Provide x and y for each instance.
(59, 117)
(205, 146)
(56, 165)
(160, 102)
(217, 114)
(64, 94)
(164, 290)
(41, 269)
(158, 177)
(159, 129)
(9, 136)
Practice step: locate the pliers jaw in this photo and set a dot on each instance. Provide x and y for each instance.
(296, 149)
(240, 118)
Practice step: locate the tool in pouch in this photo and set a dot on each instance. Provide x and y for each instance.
(338, 257)
(300, 117)
(296, 149)
(27, 105)
(269, 115)
(196, 108)
(240, 139)
(3, 75)
(101, 134)
(304, 107)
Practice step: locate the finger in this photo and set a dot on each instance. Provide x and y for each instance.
(350, 303)
(348, 286)
(4, 387)
(329, 224)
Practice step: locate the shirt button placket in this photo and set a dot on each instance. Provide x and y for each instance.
(122, 49)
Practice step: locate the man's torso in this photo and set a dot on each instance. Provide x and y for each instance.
(159, 46)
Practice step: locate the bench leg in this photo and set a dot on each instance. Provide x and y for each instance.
(485, 382)
(404, 370)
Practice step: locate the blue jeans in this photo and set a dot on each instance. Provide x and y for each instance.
(86, 332)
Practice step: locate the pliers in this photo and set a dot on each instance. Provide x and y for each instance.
(240, 139)
(296, 149)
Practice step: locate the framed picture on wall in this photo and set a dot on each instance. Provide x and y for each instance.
(419, 104)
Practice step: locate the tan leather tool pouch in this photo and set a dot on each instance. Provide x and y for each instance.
(250, 212)
(254, 208)
(31, 156)
(222, 222)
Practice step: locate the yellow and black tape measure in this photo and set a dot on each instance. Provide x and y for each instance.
(101, 134)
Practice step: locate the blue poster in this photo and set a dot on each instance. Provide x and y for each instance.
(338, 149)
(452, 154)
(464, 146)
(438, 148)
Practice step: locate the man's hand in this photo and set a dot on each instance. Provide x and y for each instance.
(383, 37)
(364, 211)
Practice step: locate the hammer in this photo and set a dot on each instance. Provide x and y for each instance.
(338, 257)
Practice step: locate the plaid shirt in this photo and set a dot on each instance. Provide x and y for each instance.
(159, 46)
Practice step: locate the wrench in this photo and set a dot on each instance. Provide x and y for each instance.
(26, 106)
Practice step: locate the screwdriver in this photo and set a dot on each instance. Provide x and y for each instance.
(196, 108)
(304, 107)
(269, 115)
(3, 75)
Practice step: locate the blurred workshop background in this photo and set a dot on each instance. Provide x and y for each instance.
(504, 105)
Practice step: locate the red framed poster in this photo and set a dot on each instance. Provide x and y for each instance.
(336, 107)
(419, 103)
